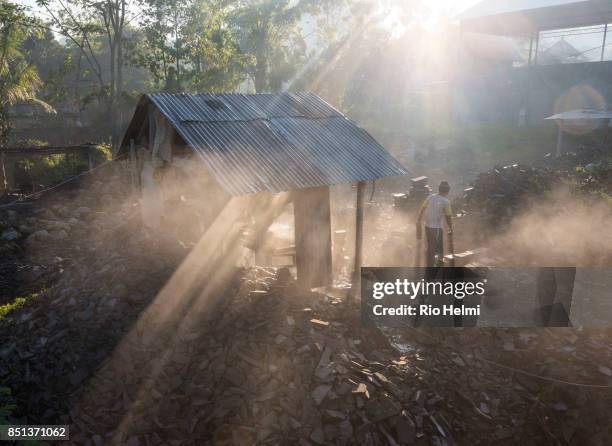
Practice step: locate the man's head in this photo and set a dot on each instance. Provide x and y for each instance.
(444, 188)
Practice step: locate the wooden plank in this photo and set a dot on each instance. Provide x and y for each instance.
(45, 150)
(313, 237)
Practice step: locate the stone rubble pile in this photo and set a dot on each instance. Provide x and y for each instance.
(500, 193)
(272, 364)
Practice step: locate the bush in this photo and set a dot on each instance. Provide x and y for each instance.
(50, 169)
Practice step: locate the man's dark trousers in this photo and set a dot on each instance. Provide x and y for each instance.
(435, 245)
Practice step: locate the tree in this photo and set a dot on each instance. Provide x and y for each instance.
(268, 34)
(189, 46)
(164, 25)
(19, 79)
(218, 64)
(82, 21)
(113, 13)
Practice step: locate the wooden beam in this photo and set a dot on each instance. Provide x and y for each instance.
(312, 217)
(359, 213)
(44, 150)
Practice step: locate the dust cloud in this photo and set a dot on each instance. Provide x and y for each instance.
(561, 229)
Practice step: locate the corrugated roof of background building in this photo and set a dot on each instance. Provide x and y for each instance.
(525, 17)
(271, 142)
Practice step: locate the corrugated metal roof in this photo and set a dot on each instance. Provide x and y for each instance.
(525, 17)
(494, 7)
(272, 142)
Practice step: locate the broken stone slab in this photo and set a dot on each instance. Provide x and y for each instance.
(605, 370)
(39, 235)
(335, 414)
(382, 408)
(82, 210)
(279, 339)
(459, 361)
(320, 392)
(318, 436)
(97, 440)
(405, 429)
(10, 234)
(325, 366)
(235, 377)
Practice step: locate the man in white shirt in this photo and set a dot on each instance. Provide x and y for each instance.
(436, 209)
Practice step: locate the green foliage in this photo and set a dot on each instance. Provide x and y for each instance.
(596, 178)
(103, 153)
(188, 46)
(218, 64)
(9, 307)
(162, 53)
(19, 79)
(267, 33)
(50, 169)
(31, 143)
(17, 303)
(214, 45)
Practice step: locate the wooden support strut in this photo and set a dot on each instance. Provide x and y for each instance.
(359, 213)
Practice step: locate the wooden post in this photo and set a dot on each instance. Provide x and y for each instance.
(152, 129)
(4, 177)
(90, 158)
(313, 256)
(355, 286)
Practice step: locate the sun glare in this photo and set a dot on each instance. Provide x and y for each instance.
(429, 14)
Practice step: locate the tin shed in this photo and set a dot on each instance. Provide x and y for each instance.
(254, 143)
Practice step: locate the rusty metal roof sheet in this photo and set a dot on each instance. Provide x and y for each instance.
(271, 142)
